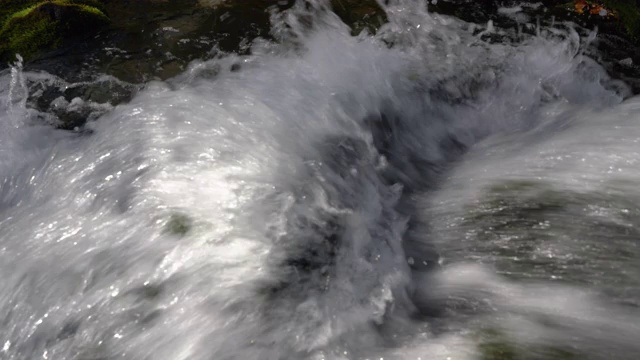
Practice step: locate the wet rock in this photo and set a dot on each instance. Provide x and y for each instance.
(72, 105)
(360, 14)
(156, 40)
(495, 345)
(47, 25)
(537, 231)
(147, 40)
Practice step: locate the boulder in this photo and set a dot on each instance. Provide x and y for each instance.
(46, 25)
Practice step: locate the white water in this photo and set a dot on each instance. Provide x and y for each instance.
(317, 186)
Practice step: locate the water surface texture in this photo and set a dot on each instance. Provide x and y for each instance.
(438, 190)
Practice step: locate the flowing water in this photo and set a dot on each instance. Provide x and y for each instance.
(439, 190)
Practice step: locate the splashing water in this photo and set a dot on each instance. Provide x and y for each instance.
(439, 190)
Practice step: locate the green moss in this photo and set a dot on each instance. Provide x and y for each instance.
(10, 7)
(46, 25)
(495, 345)
(517, 206)
(26, 39)
(22, 13)
(97, 5)
(629, 13)
(13, 8)
(516, 224)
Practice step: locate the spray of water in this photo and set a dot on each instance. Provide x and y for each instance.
(300, 208)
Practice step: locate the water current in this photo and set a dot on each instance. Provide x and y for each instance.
(438, 190)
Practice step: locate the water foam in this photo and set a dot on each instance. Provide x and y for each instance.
(267, 213)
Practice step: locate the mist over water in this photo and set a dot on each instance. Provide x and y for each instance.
(404, 195)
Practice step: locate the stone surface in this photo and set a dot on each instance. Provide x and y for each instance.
(46, 25)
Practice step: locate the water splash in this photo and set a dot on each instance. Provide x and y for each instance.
(17, 97)
(271, 206)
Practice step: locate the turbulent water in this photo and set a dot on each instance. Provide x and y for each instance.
(439, 190)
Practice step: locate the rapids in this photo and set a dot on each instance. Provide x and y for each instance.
(438, 190)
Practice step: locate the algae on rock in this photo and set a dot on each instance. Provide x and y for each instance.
(30, 27)
(629, 13)
(494, 344)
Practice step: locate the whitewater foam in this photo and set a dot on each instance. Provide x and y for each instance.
(270, 212)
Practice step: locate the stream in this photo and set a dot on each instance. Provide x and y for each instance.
(439, 189)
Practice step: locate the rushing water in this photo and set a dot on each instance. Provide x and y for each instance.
(441, 190)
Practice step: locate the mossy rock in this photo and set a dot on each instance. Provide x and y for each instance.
(493, 344)
(46, 25)
(628, 12)
(538, 230)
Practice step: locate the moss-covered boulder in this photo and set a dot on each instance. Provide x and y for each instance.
(493, 344)
(44, 25)
(543, 231)
(628, 11)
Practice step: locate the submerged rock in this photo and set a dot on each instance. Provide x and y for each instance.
(534, 230)
(178, 224)
(496, 345)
